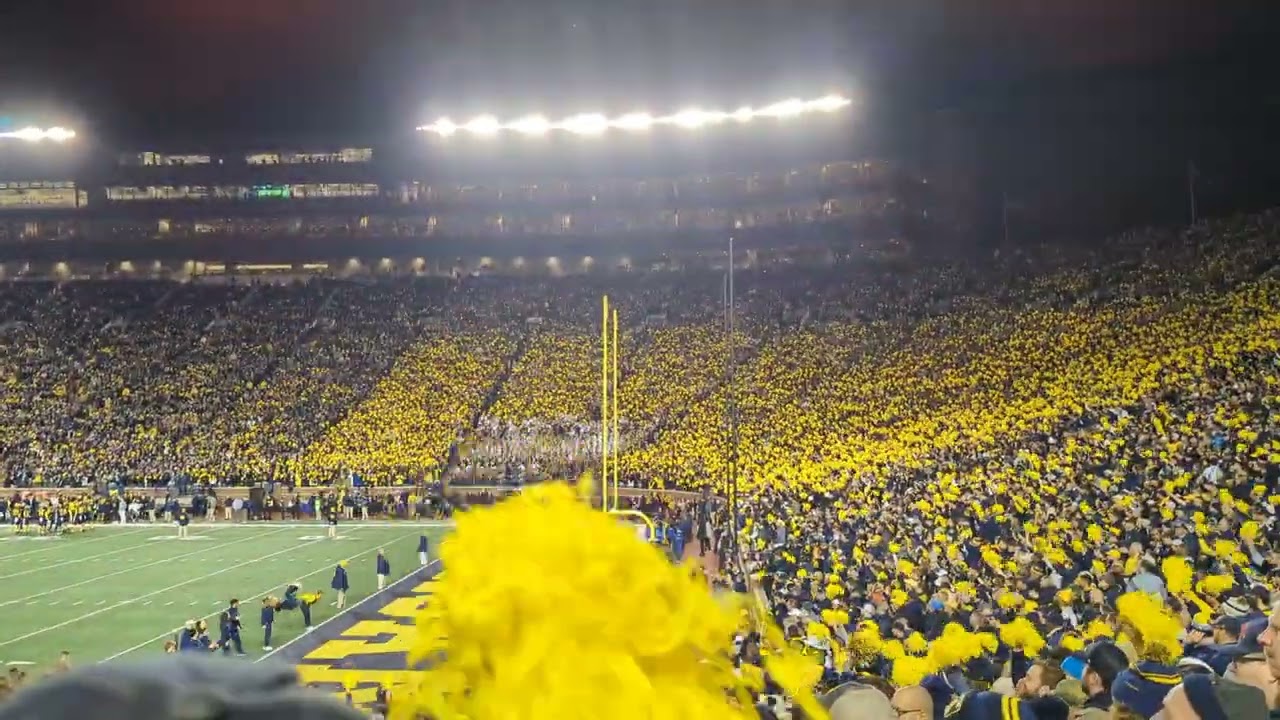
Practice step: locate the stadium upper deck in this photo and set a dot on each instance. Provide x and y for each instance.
(419, 200)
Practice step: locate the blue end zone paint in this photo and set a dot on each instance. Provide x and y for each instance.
(365, 647)
(370, 608)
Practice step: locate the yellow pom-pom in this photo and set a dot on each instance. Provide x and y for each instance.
(818, 630)
(1094, 533)
(1065, 596)
(908, 670)
(906, 567)
(835, 618)
(499, 642)
(1023, 635)
(1249, 531)
(990, 643)
(1153, 627)
(916, 644)
(834, 591)
(1224, 548)
(1072, 643)
(898, 597)
(1098, 629)
(1007, 600)
(893, 650)
(955, 647)
(1216, 584)
(1177, 574)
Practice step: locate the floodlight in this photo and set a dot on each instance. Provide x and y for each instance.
(443, 127)
(483, 125)
(829, 103)
(634, 121)
(586, 124)
(34, 134)
(784, 109)
(694, 118)
(531, 125)
(597, 124)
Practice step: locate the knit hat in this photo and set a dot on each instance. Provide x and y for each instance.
(1215, 698)
(191, 688)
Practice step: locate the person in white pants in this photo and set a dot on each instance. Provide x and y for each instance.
(422, 550)
(384, 569)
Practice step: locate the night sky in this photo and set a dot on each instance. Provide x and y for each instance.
(1046, 97)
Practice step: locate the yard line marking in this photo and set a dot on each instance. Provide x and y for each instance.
(161, 591)
(57, 546)
(339, 614)
(139, 567)
(169, 603)
(102, 602)
(193, 602)
(78, 602)
(147, 602)
(264, 593)
(55, 602)
(42, 568)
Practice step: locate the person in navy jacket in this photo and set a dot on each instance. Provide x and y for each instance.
(384, 569)
(340, 583)
(268, 618)
(422, 550)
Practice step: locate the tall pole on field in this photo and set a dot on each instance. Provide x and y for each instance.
(604, 404)
(617, 448)
(731, 408)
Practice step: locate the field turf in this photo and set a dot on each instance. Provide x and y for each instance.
(115, 592)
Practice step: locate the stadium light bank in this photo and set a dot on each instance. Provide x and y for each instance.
(593, 124)
(35, 135)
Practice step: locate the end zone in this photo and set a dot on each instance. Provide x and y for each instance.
(365, 645)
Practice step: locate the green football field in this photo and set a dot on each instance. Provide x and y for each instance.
(115, 592)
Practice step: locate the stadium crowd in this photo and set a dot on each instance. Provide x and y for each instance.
(1054, 474)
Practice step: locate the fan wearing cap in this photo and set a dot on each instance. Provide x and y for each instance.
(1143, 687)
(1199, 644)
(1209, 697)
(1247, 662)
(1096, 668)
(1226, 632)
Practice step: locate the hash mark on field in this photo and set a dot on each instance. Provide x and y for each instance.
(193, 602)
(168, 603)
(102, 602)
(55, 602)
(78, 602)
(147, 602)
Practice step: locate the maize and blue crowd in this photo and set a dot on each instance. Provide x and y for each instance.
(1040, 484)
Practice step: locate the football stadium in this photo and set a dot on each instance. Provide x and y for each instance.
(654, 410)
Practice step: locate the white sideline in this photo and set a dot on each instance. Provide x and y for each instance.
(113, 606)
(55, 546)
(139, 567)
(169, 633)
(342, 612)
(42, 568)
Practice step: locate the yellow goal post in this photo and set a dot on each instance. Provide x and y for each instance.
(645, 529)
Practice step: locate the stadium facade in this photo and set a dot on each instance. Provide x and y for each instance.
(419, 207)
